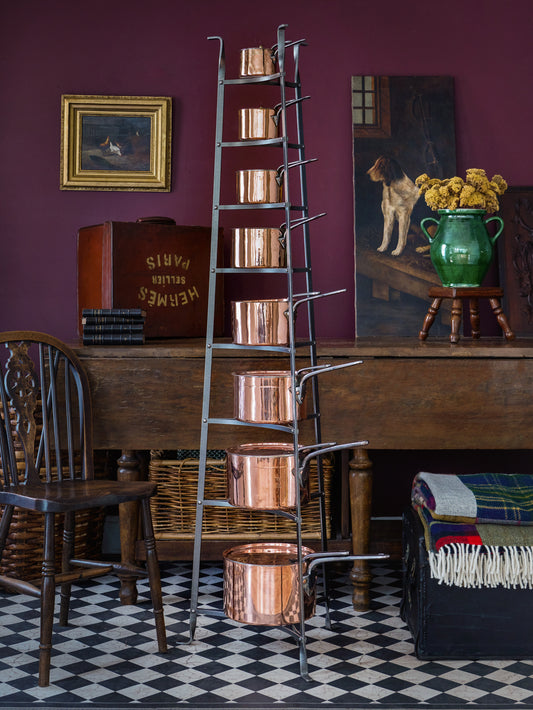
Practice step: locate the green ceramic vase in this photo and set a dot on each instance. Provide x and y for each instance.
(462, 248)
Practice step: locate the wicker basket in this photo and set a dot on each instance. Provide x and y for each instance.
(174, 506)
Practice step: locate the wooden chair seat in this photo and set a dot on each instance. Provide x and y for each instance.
(46, 460)
(62, 496)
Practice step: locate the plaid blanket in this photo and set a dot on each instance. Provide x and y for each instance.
(477, 535)
(502, 498)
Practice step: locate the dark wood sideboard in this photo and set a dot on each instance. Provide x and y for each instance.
(407, 395)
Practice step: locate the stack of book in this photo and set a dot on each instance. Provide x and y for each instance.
(113, 326)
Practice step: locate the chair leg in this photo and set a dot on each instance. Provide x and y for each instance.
(67, 555)
(5, 523)
(47, 600)
(154, 576)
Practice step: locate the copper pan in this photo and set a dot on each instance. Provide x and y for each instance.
(260, 322)
(258, 248)
(257, 61)
(263, 247)
(258, 124)
(267, 321)
(262, 123)
(261, 584)
(265, 397)
(265, 477)
(270, 477)
(255, 187)
(261, 61)
(258, 187)
(262, 581)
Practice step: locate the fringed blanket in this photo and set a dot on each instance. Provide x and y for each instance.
(478, 528)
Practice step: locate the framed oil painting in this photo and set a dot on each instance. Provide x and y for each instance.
(515, 258)
(403, 126)
(115, 143)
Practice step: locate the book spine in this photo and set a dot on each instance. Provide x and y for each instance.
(111, 320)
(113, 328)
(114, 339)
(129, 312)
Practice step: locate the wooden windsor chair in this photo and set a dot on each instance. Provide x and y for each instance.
(46, 458)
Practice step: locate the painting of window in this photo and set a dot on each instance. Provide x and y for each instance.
(371, 105)
(403, 126)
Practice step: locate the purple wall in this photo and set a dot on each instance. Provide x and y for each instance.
(132, 47)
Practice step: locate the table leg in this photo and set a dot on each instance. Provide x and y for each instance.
(501, 318)
(360, 503)
(128, 470)
(430, 318)
(474, 318)
(457, 312)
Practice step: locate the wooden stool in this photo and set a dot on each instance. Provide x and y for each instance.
(438, 293)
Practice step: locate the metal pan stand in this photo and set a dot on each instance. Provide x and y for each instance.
(295, 221)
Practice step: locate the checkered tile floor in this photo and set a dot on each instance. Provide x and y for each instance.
(107, 659)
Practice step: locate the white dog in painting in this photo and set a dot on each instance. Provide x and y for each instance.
(400, 195)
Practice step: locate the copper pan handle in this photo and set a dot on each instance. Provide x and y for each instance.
(303, 220)
(294, 224)
(311, 447)
(278, 107)
(294, 164)
(275, 47)
(322, 557)
(326, 449)
(317, 370)
(313, 295)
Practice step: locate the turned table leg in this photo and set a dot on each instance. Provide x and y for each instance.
(457, 312)
(360, 477)
(128, 470)
(429, 318)
(474, 318)
(501, 318)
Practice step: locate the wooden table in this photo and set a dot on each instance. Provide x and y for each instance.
(407, 395)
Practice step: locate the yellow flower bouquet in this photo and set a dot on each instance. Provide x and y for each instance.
(475, 192)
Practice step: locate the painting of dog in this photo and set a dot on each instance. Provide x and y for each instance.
(402, 127)
(400, 195)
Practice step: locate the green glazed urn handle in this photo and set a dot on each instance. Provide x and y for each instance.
(431, 219)
(500, 227)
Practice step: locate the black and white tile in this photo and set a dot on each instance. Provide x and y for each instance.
(107, 657)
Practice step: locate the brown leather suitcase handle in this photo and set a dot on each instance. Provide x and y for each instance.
(157, 220)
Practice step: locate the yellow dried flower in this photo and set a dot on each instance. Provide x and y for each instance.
(433, 198)
(454, 202)
(498, 184)
(491, 201)
(472, 198)
(475, 192)
(456, 185)
(422, 180)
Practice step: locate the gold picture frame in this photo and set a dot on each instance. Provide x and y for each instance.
(116, 143)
